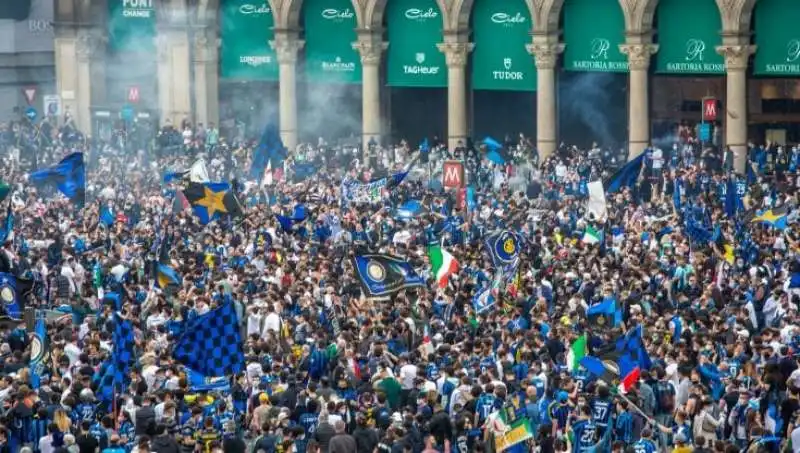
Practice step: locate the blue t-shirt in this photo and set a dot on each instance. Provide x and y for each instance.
(585, 433)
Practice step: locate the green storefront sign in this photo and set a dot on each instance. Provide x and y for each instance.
(415, 28)
(330, 27)
(593, 31)
(132, 25)
(246, 29)
(688, 34)
(500, 61)
(777, 38)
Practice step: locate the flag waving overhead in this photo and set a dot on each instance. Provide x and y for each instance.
(40, 353)
(69, 176)
(778, 218)
(576, 353)
(166, 277)
(504, 248)
(382, 275)
(625, 176)
(443, 264)
(211, 201)
(591, 236)
(210, 344)
(113, 374)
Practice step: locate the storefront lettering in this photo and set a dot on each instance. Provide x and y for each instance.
(793, 51)
(696, 67)
(137, 8)
(600, 48)
(335, 14)
(255, 60)
(338, 66)
(593, 65)
(418, 14)
(419, 68)
(507, 73)
(695, 49)
(505, 18)
(253, 9)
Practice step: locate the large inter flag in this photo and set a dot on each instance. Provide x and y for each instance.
(626, 176)
(210, 344)
(382, 275)
(69, 176)
(210, 201)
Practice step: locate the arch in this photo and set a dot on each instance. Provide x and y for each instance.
(546, 15)
(459, 15)
(736, 15)
(373, 14)
(639, 15)
(288, 13)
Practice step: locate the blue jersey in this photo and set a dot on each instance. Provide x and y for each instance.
(623, 429)
(309, 423)
(84, 412)
(645, 446)
(584, 433)
(486, 404)
(559, 413)
(601, 412)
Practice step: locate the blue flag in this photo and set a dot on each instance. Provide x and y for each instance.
(408, 210)
(211, 344)
(625, 176)
(10, 297)
(113, 374)
(270, 149)
(40, 353)
(107, 216)
(605, 313)
(504, 248)
(114, 298)
(167, 276)
(494, 151)
(303, 171)
(483, 300)
(632, 351)
(69, 176)
(424, 147)
(382, 275)
(8, 225)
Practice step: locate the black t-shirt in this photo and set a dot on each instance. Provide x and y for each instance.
(86, 443)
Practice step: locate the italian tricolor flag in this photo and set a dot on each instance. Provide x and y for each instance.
(627, 383)
(591, 236)
(576, 353)
(443, 264)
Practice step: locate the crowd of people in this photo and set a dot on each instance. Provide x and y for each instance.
(477, 358)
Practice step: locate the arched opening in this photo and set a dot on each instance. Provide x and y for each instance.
(502, 72)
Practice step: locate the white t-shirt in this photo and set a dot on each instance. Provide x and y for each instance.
(254, 324)
(272, 322)
(408, 373)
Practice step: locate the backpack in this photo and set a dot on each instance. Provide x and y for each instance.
(666, 397)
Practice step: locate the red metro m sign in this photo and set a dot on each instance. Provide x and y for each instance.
(710, 109)
(453, 174)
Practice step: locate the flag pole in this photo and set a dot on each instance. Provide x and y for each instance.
(630, 403)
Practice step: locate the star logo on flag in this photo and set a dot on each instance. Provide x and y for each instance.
(213, 201)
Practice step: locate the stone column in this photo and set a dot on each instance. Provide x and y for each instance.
(370, 46)
(735, 108)
(546, 54)
(638, 96)
(456, 56)
(206, 77)
(174, 90)
(74, 76)
(286, 45)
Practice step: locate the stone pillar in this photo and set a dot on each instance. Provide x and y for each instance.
(286, 45)
(546, 55)
(456, 56)
(174, 74)
(638, 96)
(370, 46)
(74, 54)
(206, 77)
(735, 108)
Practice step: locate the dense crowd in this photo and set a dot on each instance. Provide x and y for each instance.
(475, 359)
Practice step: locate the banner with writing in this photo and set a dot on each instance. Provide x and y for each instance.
(245, 32)
(415, 28)
(593, 31)
(357, 192)
(500, 60)
(330, 33)
(132, 25)
(777, 38)
(688, 34)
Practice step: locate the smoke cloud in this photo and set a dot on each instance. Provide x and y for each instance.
(591, 105)
(330, 111)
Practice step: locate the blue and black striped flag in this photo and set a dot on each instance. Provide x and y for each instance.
(211, 344)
